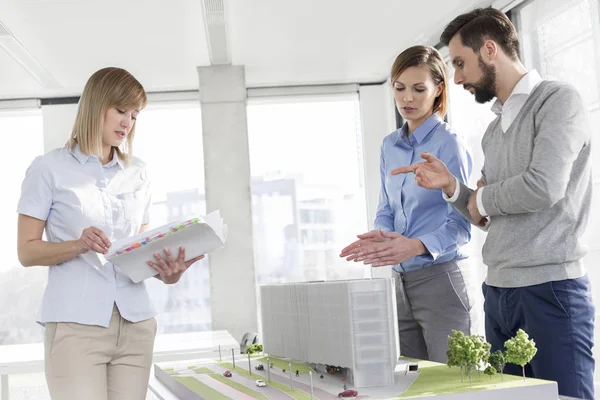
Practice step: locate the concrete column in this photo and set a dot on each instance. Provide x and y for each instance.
(227, 177)
(378, 120)
(58, 124)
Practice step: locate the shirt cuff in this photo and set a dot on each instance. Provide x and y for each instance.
(480, 203)
(377, 227)
(432, 246)
(455, 195)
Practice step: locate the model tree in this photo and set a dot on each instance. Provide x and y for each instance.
(457, 351)
(464, 352)
(498, 361)
(467, 352)
(254, 348)
(482, 352)
(490, 371)
(520, 349)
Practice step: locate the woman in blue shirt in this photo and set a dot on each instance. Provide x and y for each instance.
(100, 325)
(416, 230)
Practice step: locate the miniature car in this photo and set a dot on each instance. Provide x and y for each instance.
(260, 383)
(348, 393)
(227, 374)
(259, 367)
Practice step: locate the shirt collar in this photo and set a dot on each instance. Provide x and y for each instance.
(115, 160)
(524, 87)
(83, 158)
(422, 131)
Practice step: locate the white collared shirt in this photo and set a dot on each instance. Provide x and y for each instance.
(72, 191)
(511, 107)
(508, 113)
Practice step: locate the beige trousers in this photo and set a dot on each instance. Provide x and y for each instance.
(90, 362)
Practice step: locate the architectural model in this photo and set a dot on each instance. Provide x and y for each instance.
(324, 340)
(350, 325)
(210, 379)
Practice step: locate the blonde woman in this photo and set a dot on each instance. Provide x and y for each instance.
(100, 326)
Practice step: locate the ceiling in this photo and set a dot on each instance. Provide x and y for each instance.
(281, 42)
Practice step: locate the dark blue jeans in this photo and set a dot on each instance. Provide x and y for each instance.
(559, 316)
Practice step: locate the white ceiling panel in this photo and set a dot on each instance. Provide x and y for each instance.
(160, 42)
(281, 42)
(332, 41)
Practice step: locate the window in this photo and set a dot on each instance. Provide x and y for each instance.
(21, 289)
(561, 39)
(316, 216)
(308, 196)
(169, 139)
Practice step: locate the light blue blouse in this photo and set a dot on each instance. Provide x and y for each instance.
(413, 211)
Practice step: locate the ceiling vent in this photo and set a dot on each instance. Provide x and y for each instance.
(4, 31)
(215, 23)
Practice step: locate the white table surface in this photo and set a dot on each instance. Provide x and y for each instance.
(29, 358)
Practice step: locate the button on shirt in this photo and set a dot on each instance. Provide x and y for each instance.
(72, 191)
(413, 211)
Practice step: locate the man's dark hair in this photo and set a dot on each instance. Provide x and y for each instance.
(483, 24)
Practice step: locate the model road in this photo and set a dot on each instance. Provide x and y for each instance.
(222, 388)
(271, 393)
(317, 392)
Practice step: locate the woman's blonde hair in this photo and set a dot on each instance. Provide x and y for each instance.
(417, 56)
(107, 88)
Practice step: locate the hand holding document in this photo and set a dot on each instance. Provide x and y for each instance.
(197, 236)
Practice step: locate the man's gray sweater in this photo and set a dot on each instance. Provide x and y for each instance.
(538, 191)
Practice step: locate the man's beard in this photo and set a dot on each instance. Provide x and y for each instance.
(485, 88)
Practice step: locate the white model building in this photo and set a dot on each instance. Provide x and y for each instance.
(351, 324)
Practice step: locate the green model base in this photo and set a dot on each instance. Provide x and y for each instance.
(431, 380)
(438, 379)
